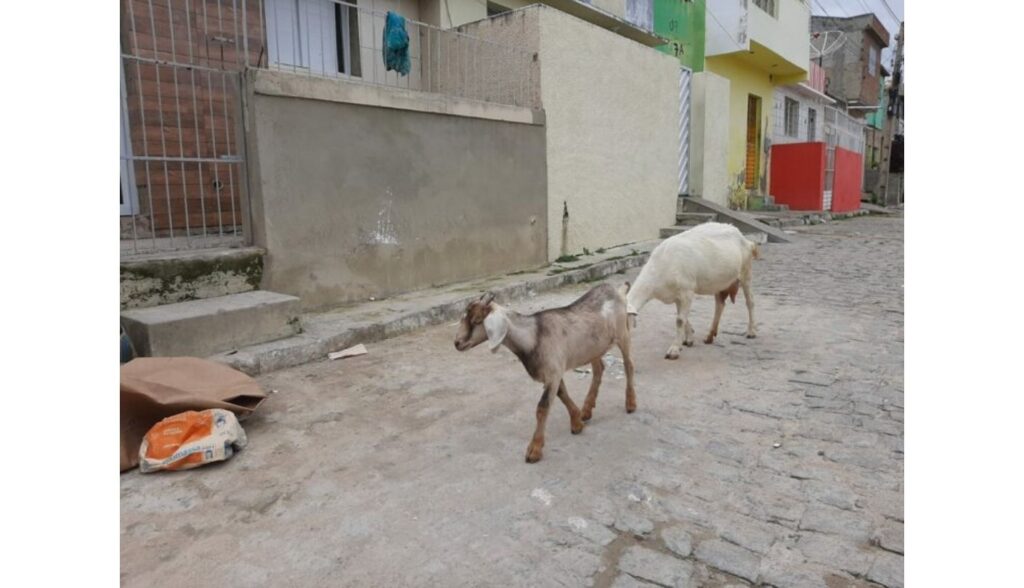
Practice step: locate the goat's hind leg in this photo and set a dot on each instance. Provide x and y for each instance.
(597, 367)
(627, 361)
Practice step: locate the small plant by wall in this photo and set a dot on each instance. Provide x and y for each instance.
(738, 197)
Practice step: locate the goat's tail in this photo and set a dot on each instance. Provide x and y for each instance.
(624, 289)
(630, 311)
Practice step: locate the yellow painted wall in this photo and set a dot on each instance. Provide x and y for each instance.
(612, 134)
(743, 81)
(612, 121)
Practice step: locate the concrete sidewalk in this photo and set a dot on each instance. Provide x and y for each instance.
(376, 320)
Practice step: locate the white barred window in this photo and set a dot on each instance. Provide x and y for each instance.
(792, 117)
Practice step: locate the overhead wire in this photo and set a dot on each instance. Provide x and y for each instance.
(891, 12)
(721, 26)
(841, 9)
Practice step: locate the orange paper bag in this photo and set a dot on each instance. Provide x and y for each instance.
(153, 388)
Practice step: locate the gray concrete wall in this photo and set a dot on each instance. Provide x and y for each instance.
(368, 191)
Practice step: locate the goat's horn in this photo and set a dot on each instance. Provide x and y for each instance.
(487, 298)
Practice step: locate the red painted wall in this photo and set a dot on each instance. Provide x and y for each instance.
(798, 175)
(847, 183)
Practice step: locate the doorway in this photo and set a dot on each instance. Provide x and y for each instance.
(753, 140)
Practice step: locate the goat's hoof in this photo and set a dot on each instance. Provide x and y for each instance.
(630, 409)
(586, 415)
(751, 335)
(688, 343)
(709, 340)
(576, 428)
(533, 455)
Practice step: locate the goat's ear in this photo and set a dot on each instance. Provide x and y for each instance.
(496, 325)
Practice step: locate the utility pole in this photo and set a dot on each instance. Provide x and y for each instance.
(892, 111)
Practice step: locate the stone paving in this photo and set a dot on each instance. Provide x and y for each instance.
(776, 461)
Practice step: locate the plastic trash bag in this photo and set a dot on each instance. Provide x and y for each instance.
(191, 439)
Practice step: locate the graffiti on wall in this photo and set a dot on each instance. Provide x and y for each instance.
(682, 23)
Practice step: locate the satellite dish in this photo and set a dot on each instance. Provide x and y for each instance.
(826, 42)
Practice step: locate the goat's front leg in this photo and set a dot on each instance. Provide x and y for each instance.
(597, 367)
(575, 422)
(683, 329)
(535, 450)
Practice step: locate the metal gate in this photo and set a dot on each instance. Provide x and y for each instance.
(685, 80)
(182, 165)
(183, 180)
(840, 130)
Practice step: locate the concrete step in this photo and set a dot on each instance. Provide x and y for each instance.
(781, 222)
(742, 220)
(876, 209)
(682, 208)
(694, 218)
(153, 279)
(200, 328)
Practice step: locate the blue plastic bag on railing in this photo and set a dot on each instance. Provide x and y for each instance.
(396, 44)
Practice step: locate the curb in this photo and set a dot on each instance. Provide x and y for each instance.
(325, 336)
(813, 218)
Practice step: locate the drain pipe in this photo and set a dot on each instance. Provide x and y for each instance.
(565, 229)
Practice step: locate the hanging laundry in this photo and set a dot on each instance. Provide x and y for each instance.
(396, 44)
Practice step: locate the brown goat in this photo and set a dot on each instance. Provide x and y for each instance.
(554, 341)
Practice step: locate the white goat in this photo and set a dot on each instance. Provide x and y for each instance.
(554, 341)
(711, 258)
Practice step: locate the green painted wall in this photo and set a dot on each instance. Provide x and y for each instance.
(682, 23)
(876, 118)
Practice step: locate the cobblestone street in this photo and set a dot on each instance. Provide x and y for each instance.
(775, 461)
